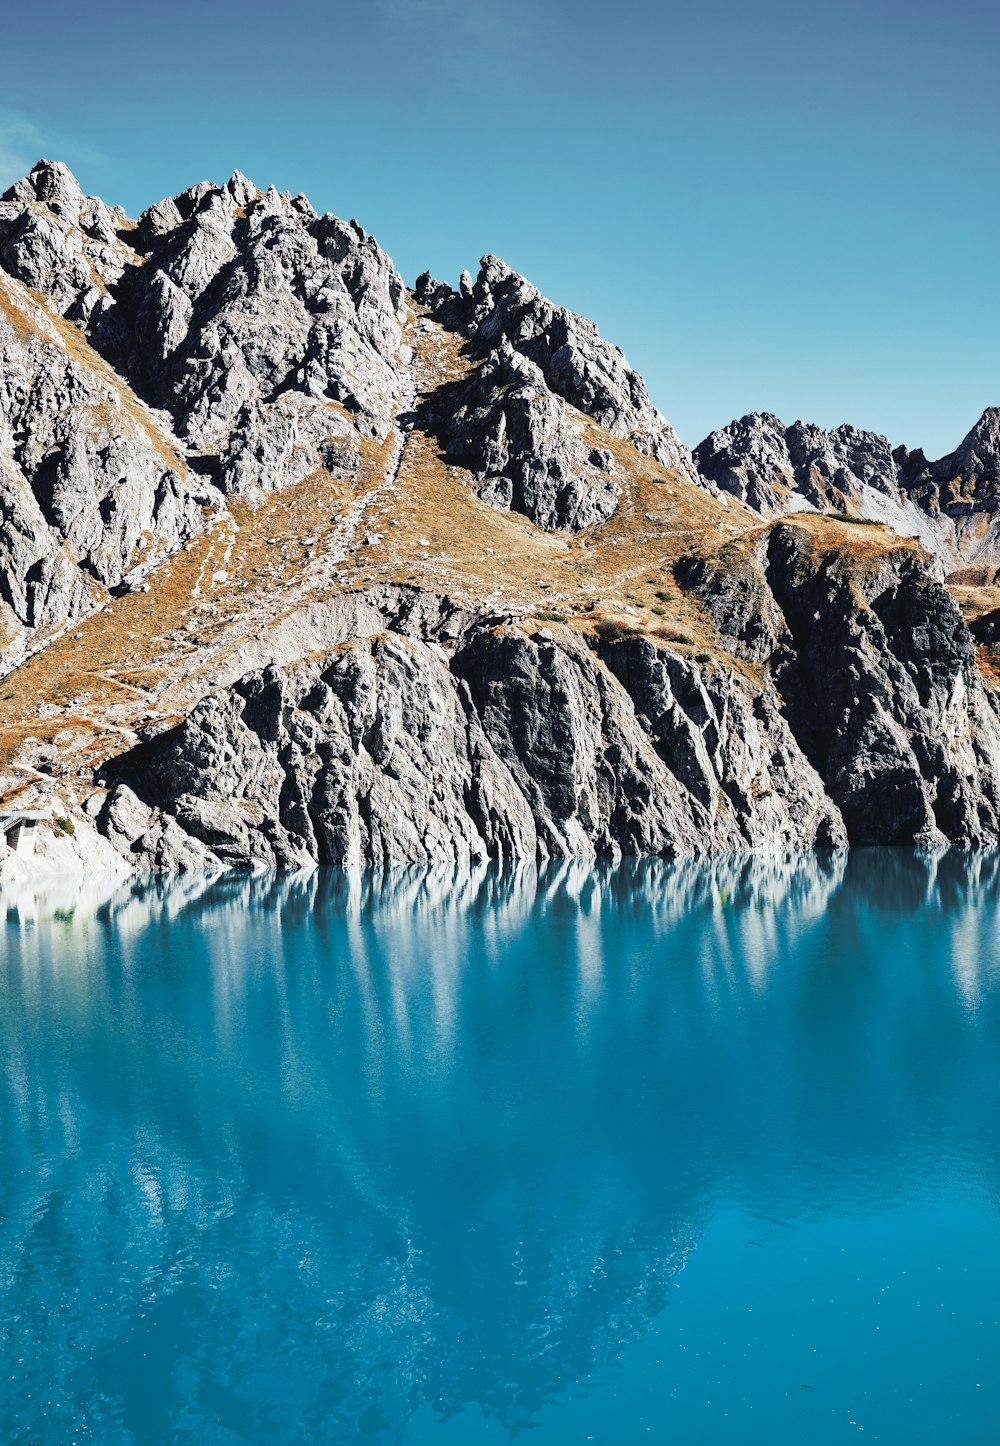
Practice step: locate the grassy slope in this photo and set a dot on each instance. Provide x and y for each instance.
(144, 659)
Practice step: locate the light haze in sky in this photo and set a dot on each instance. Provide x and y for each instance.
(781, 207)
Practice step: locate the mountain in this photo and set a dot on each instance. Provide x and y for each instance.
(299, 565)
(950, 506)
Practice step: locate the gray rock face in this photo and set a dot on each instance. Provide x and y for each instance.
(751, 460)
(640, 750)
(219, 301)
(60, 242)
(227, 325)
(965, 482)
(90, 485)
(264, 338)
(234, 342)
(875, 727)
(508, 425)
(243, 298)
(386, 751)
(949, 505)
(729, 747)
(367, 754)
(773, 468)
(527, 451)
(841, 464)
(878, 680)
(575, 360)
(283, 443)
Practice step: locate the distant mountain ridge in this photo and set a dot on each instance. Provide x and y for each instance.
(950, 505)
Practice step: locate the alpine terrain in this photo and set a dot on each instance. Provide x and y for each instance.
(300, 565)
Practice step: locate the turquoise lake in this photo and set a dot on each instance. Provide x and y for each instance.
(675, 1152)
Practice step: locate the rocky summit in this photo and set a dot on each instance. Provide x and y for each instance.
(301, 566)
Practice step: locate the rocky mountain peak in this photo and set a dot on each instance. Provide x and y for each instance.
(246, 301)
(750, 459)
(776, 469)
(52, 183)
(979, 450)
(245, 550)
(241, 189)
(231, 340)
(217, 298)
(576, 362)
(837, 466)
(964, 487)
(60, 242)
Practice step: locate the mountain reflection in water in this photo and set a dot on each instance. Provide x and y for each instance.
(313, 1158)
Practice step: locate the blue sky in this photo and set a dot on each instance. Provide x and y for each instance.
(781, 206)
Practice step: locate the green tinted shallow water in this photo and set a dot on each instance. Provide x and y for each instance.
(687, 1153)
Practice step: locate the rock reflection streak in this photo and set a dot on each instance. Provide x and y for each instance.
(305, 1158)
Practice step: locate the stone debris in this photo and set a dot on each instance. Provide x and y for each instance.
(162, 379)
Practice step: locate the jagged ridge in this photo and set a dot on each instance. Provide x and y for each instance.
(234, 406)
(950, 505)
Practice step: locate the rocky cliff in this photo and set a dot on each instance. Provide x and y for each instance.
(950, 506)
(298, 566)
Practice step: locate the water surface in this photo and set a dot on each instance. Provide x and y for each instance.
(695, 1153)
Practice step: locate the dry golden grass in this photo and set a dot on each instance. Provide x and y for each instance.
(855, 544)
(18, 303)
(988, 662)
(123, 667)
(143, 660)
(827, 536)
(975, 603)
(476, 553)
(17, 316)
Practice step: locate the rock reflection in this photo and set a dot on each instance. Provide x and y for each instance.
(292, 1158)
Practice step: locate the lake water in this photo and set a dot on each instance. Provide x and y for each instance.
(686, 1153)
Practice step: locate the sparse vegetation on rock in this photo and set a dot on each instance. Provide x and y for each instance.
(280, 539)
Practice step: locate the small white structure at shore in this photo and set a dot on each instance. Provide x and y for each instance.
(20, 827)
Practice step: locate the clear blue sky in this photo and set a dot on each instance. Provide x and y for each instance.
(781, 206)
